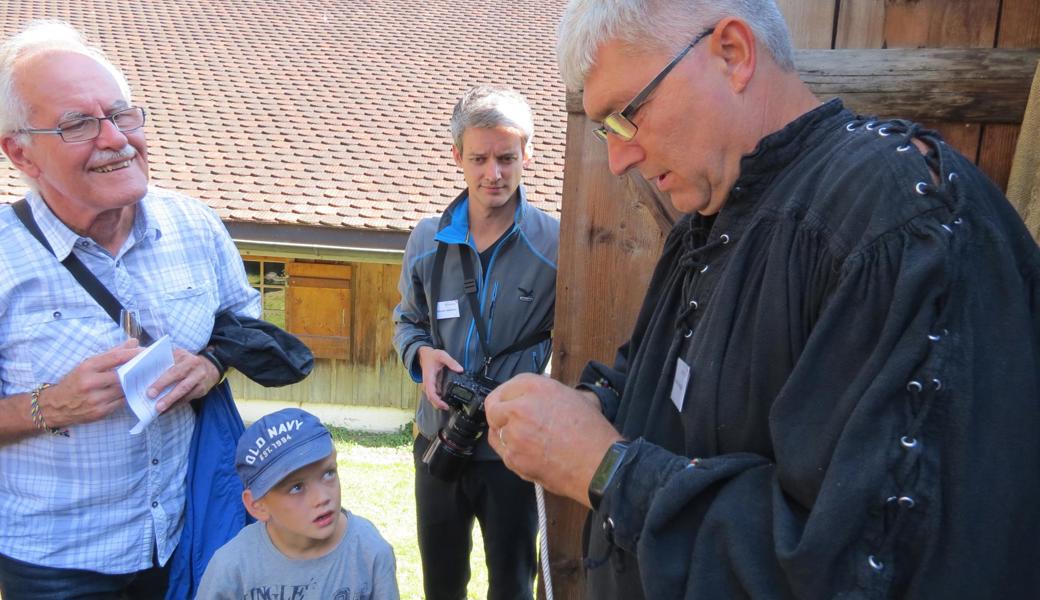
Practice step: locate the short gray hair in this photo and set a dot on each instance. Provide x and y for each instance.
(40, 37)
(665, 25)
(490, 106)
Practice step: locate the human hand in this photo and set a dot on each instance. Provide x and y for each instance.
(90, 392)
(431, 361)
(191, 376)
(549, 433)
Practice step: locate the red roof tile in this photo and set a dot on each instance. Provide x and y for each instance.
(330, 113)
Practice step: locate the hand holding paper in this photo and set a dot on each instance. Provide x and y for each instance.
(140, 372)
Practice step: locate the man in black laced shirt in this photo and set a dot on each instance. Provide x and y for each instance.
(833, 386)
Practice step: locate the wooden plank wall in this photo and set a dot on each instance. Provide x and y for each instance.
(372, 375)
(612, 228)
(933, 24)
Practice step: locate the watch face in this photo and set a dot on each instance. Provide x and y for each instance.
(605, 473)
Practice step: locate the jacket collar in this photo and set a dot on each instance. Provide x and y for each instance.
(454, 224)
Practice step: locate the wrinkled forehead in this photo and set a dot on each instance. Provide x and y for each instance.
(492, 140)
(617, 75)
(60, 80)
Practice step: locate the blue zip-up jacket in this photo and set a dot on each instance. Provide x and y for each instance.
(213, 512)
(516, 289)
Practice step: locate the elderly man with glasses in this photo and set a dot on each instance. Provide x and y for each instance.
(87, 507)
(833, 387)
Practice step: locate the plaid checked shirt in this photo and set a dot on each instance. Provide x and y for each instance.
(100, 498)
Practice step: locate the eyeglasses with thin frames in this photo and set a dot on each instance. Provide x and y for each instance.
(620, 123)
(84, 129)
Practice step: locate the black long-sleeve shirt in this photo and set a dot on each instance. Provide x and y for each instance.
(862, 326)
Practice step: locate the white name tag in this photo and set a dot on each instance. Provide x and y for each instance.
(448, 309)
(682, 378)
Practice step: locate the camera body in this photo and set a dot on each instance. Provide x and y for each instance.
(464, 393)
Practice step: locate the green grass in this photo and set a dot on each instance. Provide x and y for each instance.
(377, 476)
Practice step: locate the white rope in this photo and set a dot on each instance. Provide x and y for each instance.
(543, 541)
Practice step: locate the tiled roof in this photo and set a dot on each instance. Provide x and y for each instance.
(330, 113)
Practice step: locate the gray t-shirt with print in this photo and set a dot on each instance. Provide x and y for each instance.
(361, 567)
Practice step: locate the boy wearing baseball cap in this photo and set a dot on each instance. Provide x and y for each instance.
(304, 544)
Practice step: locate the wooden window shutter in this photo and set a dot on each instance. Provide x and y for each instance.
(318, 307)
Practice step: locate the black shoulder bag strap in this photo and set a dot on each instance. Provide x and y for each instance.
(88, 280)
(435, 291)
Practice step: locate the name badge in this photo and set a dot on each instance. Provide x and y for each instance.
(448, 309)
(682, 378)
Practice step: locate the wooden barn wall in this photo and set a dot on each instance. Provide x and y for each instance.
(372, 375)
(613, 228)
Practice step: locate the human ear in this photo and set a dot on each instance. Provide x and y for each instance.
(255, 507)
(15, 152)
(735, 43)
(456, 153)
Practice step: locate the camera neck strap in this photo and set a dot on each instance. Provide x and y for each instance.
(88, 280)
(469, 285)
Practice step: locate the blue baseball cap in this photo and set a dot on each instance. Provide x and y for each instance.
(278, 444)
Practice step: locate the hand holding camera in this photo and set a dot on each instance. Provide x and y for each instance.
(464, 394)
(433, 362)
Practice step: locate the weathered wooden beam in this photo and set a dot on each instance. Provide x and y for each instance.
(978, 85)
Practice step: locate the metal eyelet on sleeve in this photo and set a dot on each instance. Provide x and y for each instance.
(903, 148)
(908, 442)
(704, 269)
(870, 125)
(883, 132)
(936, 384)
(922, 188)
(958, 221)
(914, 386)
(694, 305)
(907, 502)
(934, 337)
(850, 126)
(952, 176)
(724, 238)
(875, 564)
(688, 334)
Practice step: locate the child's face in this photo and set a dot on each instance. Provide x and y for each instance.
(302, 512)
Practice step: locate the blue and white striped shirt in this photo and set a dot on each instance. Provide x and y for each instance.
(101, 499)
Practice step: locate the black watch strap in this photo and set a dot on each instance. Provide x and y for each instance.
(208, 355)
(604, 476)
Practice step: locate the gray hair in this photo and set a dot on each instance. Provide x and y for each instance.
(659, 25)
(41, 37)
(490, 106)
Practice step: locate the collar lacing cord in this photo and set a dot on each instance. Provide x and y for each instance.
(692, 261)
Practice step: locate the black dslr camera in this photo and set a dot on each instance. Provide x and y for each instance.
(464, 393)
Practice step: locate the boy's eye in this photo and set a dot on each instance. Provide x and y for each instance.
(296, 489)
(330, 474)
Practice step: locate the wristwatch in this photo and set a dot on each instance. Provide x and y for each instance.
(604, 475)
(207, 353)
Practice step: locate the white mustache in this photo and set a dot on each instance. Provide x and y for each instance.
(103, 157)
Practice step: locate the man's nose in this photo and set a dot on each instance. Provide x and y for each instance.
(622, 155)
(492, 170)
(109, 136)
